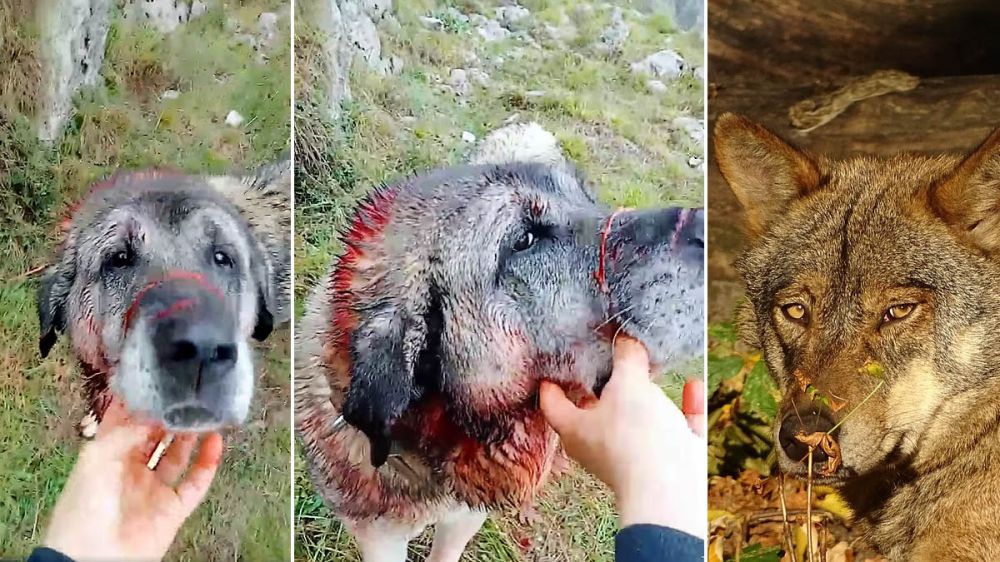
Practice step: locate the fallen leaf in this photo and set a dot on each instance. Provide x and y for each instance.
(826, 443)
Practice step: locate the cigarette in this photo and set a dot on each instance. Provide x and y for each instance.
(161, 449)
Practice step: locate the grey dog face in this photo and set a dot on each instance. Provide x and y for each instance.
(872, 286)
(159, 284)
(478, 282)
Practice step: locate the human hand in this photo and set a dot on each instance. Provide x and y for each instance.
(114, 507)
(638, 443)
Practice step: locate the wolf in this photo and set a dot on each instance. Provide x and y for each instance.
(873, 289)
(160, 280)
(458, 291)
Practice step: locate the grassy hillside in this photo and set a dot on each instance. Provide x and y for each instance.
(608, 121)
(127, 123)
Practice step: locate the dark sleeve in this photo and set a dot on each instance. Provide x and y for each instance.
(42, 554)
(653, 543)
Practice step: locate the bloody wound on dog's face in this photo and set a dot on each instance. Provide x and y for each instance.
(159, 282)
(457, 293)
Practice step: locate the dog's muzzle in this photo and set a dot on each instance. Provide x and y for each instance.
(194, 349)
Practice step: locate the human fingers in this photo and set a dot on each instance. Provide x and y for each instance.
(191, 491)
(176, 459)
(631, 363)
(558, 410)
(693, 405)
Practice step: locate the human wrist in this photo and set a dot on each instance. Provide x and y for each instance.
(653, 502)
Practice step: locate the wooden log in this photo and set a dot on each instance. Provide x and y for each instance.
(802, 41)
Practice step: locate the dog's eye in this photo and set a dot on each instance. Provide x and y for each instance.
(222, 259)
(121, 259)
(795, 312)
(898, 311)
(526, 241)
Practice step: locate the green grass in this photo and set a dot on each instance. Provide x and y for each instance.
(123, 123)
(606, 121)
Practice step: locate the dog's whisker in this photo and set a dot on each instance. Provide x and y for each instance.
(615, 316)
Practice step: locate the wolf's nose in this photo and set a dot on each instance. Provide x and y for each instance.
(808, 424)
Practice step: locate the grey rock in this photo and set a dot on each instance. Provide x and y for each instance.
(612, 39)
(73, 37)
(666, 64)
(198, 8)
(456, 14)
(434, 24)
(170, 95)
(493, 31)
(459, 82)
(478, 20)
(656, 86)
(163, 15)
(267, 27)
(511, 16)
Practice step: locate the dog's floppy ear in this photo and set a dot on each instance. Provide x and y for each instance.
(52, 296)
(968, 198)
(265, 321)
(764, 172)
(385, 349)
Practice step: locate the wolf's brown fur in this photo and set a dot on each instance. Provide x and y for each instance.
(851, 244)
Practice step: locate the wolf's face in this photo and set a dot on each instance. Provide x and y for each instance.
(476, 283)
(159, 285)
(873, 289)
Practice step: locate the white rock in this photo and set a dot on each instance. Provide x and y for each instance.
(234, 119)
(493, 31)
(198, 8)
(408, 119)
(455, 14)
(459, 81)
(468, 137)
(267, 27)
(519, 142)
(613, 38)
(478, 77)
(511, 15)
(656, 86)
(662, 64)
(478, 20)
(433, 24)
(72, 46)
(170, 95)
(695, 161)
(694, 128)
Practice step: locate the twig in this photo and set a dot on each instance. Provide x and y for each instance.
(784, 517)
(809, 502)
(855, 409)
(31, 272)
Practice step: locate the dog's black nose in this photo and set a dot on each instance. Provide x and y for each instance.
(807, 424)
(190, 348)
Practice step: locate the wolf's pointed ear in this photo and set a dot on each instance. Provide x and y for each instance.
(968, 198)
(385, 348)
(764, 172)
(52, 296)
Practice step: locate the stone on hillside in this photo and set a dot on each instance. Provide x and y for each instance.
(71, 49)
(510, 16)
(694, 128)
(267, 27)
(434, 24)
(456, 14)
(662, 64)
(656, 86)
(234, 119)
(198, 8)
(459, 81)
(468, 137)
(170, 95)
(493, 31)
(613, 37)
(519, 142)
(163, 15)
(478, 20)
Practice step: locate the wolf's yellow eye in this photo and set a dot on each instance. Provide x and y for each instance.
(795, 311)
(899, 311)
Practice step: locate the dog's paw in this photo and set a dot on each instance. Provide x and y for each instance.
(88, 426)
